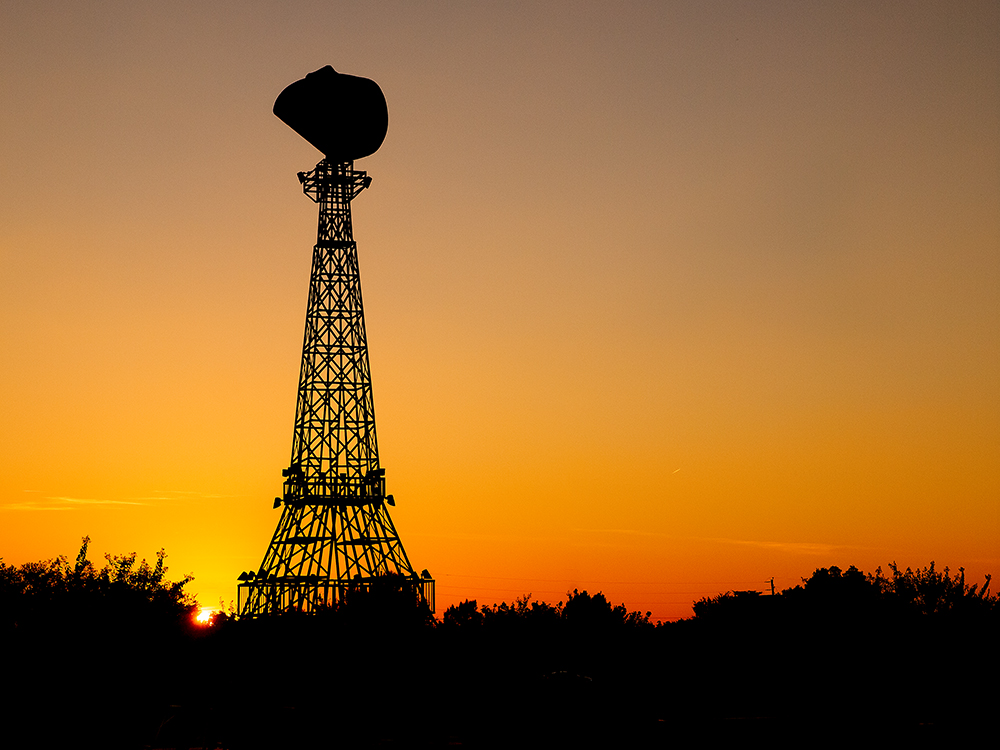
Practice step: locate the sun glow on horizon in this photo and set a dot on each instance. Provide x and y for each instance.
(204, 616)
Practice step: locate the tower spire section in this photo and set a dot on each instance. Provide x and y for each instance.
(335, 532)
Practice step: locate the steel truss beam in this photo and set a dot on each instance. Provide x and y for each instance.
(335, 532)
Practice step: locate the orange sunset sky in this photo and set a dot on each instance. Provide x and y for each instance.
(663, 298)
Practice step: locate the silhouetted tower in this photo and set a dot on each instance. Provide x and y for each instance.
(335, 532)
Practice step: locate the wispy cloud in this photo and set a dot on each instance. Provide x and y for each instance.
(799, 548)
(42, 502)
(61, 502)
(34, 505)
(168, 496)
(628, 532)
(94, 501)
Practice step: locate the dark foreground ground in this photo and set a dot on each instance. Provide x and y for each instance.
(310, 682)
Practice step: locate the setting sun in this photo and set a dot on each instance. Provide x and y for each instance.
(204, 616)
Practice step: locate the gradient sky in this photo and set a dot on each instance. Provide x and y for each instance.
(663, 299)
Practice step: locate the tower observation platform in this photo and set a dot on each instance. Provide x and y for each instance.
(335, 534)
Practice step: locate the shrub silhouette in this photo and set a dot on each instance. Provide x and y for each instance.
(53, 592)
(462, 615)
(929, 592)
(88, 651)
(851, 594)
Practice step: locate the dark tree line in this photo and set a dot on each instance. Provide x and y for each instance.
(110, 657)
(56, 594)
(855, 595)
(903, 652)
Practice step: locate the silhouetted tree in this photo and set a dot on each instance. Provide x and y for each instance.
(53, 591)
(522, 614)
(730, 606)
(595, 611)
(834, 595)
(89, 650)
(462, 615)
(931, 592)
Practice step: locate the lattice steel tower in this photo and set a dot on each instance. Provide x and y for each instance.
(335, 531)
